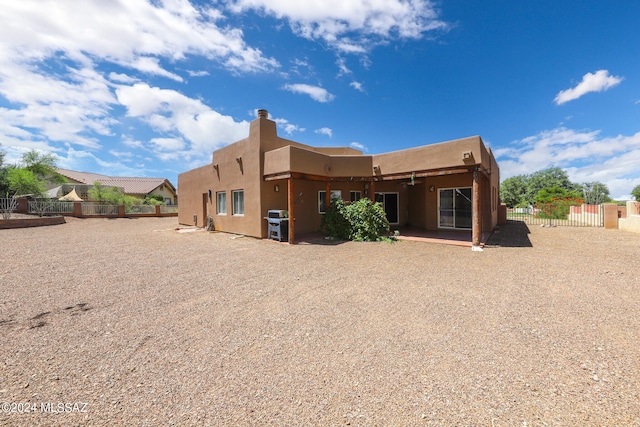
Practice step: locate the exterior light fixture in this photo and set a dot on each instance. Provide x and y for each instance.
(276, 188)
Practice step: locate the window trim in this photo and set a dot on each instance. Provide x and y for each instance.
(233, 202)
(218, 210)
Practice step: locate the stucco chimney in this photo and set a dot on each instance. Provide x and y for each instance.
(263, 114)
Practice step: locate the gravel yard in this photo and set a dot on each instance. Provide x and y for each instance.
(149, 326)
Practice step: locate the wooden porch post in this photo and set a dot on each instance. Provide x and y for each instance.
(476, 225)
(327, 195)
(372, 192)
(292, 215)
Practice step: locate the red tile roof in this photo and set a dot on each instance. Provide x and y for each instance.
(131, 185)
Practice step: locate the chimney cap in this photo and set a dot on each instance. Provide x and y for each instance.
(263, 113)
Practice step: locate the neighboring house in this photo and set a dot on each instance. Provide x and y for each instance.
(82, 182)
(450, 185)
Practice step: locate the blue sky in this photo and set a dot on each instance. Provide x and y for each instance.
(151, 88)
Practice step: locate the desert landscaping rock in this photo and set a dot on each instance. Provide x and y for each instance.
(149, 326)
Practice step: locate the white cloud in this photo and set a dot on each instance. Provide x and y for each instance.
(317, 93)
(170, 112)
(585, 155)
(288, 127)
(358, 146)
(56, 71)
(122, 78)
(125, 155)
(351, 25)
(357, 86)
(342, 67)
(325, 131)
(197, 73)
(591, 82)
(168, 144)
(134, 34)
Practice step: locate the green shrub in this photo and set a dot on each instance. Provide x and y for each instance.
(334, 222)
(361, 221)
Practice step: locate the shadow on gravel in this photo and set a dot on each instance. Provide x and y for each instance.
(513, 234)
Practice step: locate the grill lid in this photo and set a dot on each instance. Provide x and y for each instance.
(277, 213)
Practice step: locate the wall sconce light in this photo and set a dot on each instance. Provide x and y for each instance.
(366, 185)
(466, 155)
(376, 168)
(210, 194)
(276, 188)
(432, 188)
(239, 160)
(216, 166)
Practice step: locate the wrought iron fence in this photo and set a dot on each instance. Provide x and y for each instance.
(140, 209)
(48, 206)
(94, 209)
(8, 203)
(164, 209)
(559, 215)
(7, 207)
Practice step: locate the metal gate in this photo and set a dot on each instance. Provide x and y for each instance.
(563, 215)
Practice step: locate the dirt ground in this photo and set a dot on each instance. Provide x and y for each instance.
(130, 322)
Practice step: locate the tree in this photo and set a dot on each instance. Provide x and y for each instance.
(636, 193)
(547, 178)
(4, 181)
(555, 202)
(513, 191)
(106, 195)
(23, 181)
(43, 166)
(522, 189)
(153, 199)
(595, 193)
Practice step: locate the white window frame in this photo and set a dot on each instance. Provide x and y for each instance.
(221, 208)
(233, 201)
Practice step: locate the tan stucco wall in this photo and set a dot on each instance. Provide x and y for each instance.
(436, 156)
(445, 181)
(303, 160)
(192, 185)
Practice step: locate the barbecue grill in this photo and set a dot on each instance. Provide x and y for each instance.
(278, 221)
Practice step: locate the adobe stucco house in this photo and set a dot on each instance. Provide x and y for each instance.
(450, 185)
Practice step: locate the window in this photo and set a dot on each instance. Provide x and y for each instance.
(221, 203)
(335, 194)
(455, 208)
(238, 202)
(354, 196)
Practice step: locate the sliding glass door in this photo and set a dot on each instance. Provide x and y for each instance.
(455, 208)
